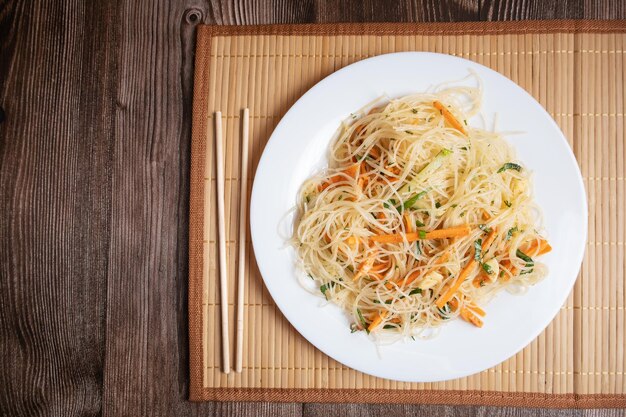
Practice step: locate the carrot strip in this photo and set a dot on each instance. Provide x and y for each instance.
(476, 282)
(413, 236)
(374, 152)
(408, 224)
(535, 249)
(415, 274)
(449, 117)
(470, 318)
(475, 309)
(450, 232)
(508, 265)
(351, 171)
(377, 320)
(444, 298)
(365, 266)
(380, 267)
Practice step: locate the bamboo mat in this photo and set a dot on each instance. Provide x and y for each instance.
(576, 70)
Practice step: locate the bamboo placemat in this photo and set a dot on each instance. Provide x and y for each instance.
(576, 70)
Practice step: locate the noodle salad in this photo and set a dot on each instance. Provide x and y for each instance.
(419, 219)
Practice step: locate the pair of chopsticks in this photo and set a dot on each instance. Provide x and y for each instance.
(243, 205)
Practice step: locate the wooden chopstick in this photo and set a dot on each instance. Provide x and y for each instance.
(243, 206)
(222, 244)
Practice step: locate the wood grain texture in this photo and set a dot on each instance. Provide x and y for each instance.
(94, 185)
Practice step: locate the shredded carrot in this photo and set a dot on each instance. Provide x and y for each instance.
(508, 265)
(470, 318)
(361, 183)
(480, 278)
(413, 236)
(449, 117)
(381, 216)
(374, 152)
(365, 266)
(395, 171)
(475, 309)
(445, 297)
(408, 224)
(381, 267)
(486, 215)
(415, 274)
(535, 249)
(351, 171)
(377, 320)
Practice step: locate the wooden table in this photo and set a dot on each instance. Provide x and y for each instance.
(94, 196)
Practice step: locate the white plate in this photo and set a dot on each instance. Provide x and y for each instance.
(298, 148)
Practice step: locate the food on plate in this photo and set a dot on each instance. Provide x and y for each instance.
(419, 218)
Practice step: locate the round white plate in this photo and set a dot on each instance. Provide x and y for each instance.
(298, 148)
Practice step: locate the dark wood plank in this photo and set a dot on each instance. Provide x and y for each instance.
(56, 75)
(531, 9)
(552, 9)
(359, 410)
(94, 172)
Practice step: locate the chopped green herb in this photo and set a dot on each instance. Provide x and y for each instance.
(389, 326)
(409, 132)
(350, 268)
(507, 203)
(454, 205)
(414, 111)
(487, 268)
(484, 228)
(362, 319)
(307, 198)
(501, 274)
(509, 234)
(465, 121)
(437, 204)
(478, 249)
(445, 152)
(416, 291)
(443, 312)
(510, 165)
(310, 276)
(418, 249)
(419, 223)
(422, 234)
(340, 197)
(463, 148)
(411, 201)
(529, 261)
(327, 287)
(413, 337)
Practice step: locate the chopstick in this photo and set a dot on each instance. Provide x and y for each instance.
(242, 240)
(222, 244)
